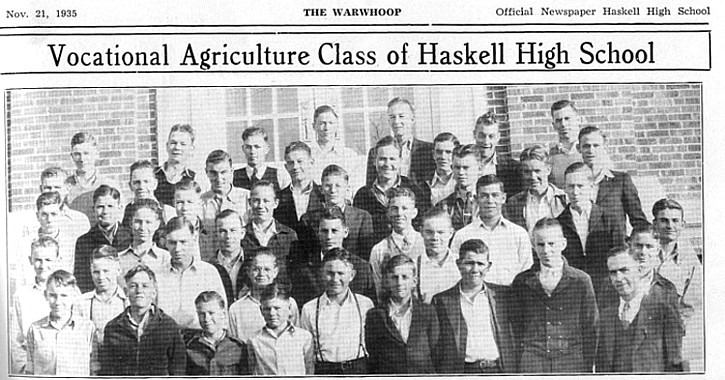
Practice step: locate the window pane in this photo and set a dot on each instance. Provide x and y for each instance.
(261, 101)
(287, 100)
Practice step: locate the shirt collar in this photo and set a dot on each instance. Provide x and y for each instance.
(449, 257)
(186, 172)
(501, 222)
(271, 229)
(118, 293)
(380, 189)
(560, 148)
(306, 190)
(220, 258)
(470, 299)
(150, 251)
(436, 179)
(50, 324)
(290, 328)
(326, 301)
(397, 311)
(604, 173)
(586, 209)
(261, 168)
(493, 161)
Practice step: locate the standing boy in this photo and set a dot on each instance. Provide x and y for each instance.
(443, 182)
(187, 201)
(303, 195)
(256, 147)
(461, 204)
(566, 121)
(437, 270)
(229, 259)
(179, 148)
(487, 134)
(143, 183)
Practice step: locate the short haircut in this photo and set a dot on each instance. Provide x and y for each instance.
(179, 223)
(141, 268)
(104, 252)
(488, 118)
(536, 152)
(476, 246)
(561, 104)
(218, 156)
(547, 223)
(274, 291)
(340, 254)
(335, 170)
(49, 198)
(333, 213)
(622, 249)
(399, 100)
(578, 167)
(666, 203)
(62, 278)
(295, 146)
(254, 131)
(186, 128)
(263, 251)
(187, 184)
(388, 141)
(589, 130)
(643, 229)
(105, 190)
(323, 109)
(398, 261)
(447, 136)
(53, 171)
(210, 296)
(142, 164)
(400, 192)
(45, 242)
(82, 137)
(150, 204)
(437, 211)
(468, 150)
(487, 180)
(266, 184)
(228, 213)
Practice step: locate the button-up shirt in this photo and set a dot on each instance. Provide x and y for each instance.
(402, 316)
(435, 277)
(68, 350)
(391, 246)
(560, 158)
(301, 198)
(439, 189)
(603, 174)
(489, 167)
(263, 233)
(29, 305)
(380, 194)
(155, 258)
(509, 246)
(341, 334)
(543, 206)
(283, 177)
(289, 353)
(406, 148)
(340, 155)
(90, 306)
(480, 341)
(245, 316)
(212, 204)
(581, 222)
(628, 309)
(232, 265)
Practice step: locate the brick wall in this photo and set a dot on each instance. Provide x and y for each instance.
(40, 124)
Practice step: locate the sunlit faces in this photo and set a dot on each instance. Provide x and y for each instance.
(179, 146)
(60, 299)
(443, 155)
(255, 150)
(181, 246)
(141, 291)
(276, 312)
(490, 201)
(337, 276)
(437, 232)
(220, 176)
(536, 175)
(401, 120)
(579, 188)
(401, 282)
(104, 273)
(467, 169)
(668, 224)
(646, 249)
(331, 233)
(487, 137)
(335, 190)
(144, 224)
(43, 260)
(473, 268)
(624, 274)
(50, 218)
(401, 212)
(108, 210)
(263, 270)
(212, 317)
(187, 203)
(56, 184)
(549, 243)
(592, 148)
(84, 156)
(143, 182)
(326, 127)
(387, 161)
(299, 165)
(566, 123)
(263, 202)
(230, 233)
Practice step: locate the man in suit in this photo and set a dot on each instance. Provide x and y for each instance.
(442, 181)
(487, 135)
(229, 259)
(643, 331)
(303, 194)
(613, 191)
(417, 156)
(474, 333)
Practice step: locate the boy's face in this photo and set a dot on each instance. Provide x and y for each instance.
(578, 188)
(230, 233)
(60, 299)
(181, 245)
(43, 261)
(490, 201)
(624, 273)
(299, 165)
(335, 190)
(668, 224)
(536, 175)
(143, 182)
(549, 242)
(55, 183)
(473, 267)
(255, 150)
(437, 234)
(646, 248)
(467, 169)
(84, 156)
(105, 272)
(276, 312)
(337, 276)
(443, 155)
(144, 224)
(263, 203)
(592, 149)
(141, 291)
(108, 210)
(331, 233)
(187, 203)
(401, 282)
(212, 317)
(326, 127)
(566, 123)
(50, 218)
(487, 137)
(387, 160)
(401, 120)
(220, 176)
(401, 212)
(179, 146)
(263, 270)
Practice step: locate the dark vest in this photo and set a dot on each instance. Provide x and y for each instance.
(165, 190)
(241, 179)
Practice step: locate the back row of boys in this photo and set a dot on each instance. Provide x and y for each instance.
(456, 170)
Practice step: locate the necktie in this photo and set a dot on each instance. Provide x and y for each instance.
(406, 244)
(254, 176)
(625, 316)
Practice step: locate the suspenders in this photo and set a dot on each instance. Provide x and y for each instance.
(360, 347)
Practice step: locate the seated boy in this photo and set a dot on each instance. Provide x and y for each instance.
(256, 147)
(213, 352)
(280, 348)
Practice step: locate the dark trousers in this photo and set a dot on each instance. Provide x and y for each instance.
(350, 367)
(493, 366)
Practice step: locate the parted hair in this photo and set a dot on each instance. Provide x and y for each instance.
(332, 170)
(333, 213)
(49, 198)
(186, 128)
(561, 104)
(82, 137)
(45, 242)
(210, 296)
(105, 190)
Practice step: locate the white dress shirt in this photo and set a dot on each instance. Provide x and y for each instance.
(480, 340)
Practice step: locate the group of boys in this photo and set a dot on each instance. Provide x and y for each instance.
(451, 259)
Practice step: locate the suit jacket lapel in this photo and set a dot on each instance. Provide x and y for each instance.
(595, 217)
(392, 330)
(455, 317)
